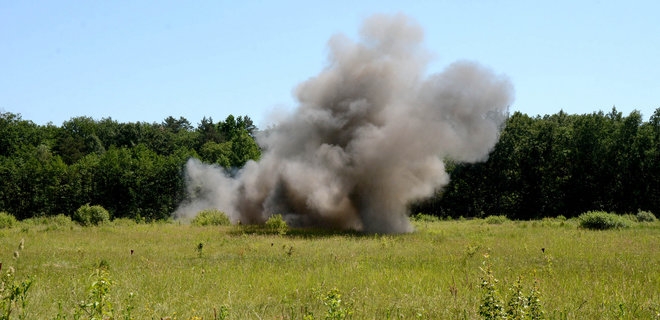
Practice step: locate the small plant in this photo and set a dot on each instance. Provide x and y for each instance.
(88, 215)
(491, 305)
(97, 306)
(422, 217)
(13, 294)
(519, 306)
(277, 224)
(7, 220)
(221, 314)
(600, 220)
(200, 249)
(337, 310)
(211, 217)
(496, 219)
(646, 216)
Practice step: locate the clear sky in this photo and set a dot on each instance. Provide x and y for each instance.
(147, 60)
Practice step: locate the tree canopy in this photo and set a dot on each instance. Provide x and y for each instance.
(546, 166)
(132, 169)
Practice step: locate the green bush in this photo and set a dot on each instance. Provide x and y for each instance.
(277, 224)
(422, 217)
(211, 217)
(496, 219)
(601, 220)
(91, 215)
(646, 216)
(7, 220)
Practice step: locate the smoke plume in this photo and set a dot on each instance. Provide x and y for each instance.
(368, 137)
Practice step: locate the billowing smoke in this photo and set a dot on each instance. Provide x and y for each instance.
(369, 136)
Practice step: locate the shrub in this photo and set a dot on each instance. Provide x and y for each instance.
(600, 220)
(91, 215)
(496, 219)
(421, 217)
(646, 216)
(7, 220)
(211, 217)
(277, 224)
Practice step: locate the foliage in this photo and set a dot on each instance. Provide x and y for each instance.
(134, 170)
(210, 217)
(276, 224)
(600, 220)
(646, 216)
(7, 220)
(496, 219)
(559, 164)
(336, 307)
(88, 215)
(519, 305)
(421, 217)
(542, 166)
(13, 293)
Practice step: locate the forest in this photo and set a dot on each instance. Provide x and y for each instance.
(543, 166)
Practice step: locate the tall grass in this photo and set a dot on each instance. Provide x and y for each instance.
(433, 273)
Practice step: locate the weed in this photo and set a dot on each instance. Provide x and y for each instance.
(491, 305)
(519, 306)
(221, 314)
(200, 248)
(496, 219)
(13, 295)
(421, 217)
(97, 306)
(337, 309)
(7, 220)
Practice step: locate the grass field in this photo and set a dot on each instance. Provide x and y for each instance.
(183, 272)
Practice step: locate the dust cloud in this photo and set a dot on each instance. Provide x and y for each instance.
(369, 136)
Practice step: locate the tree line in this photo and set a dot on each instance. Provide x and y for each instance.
(559, 164)
(546, 166)
(132, 169)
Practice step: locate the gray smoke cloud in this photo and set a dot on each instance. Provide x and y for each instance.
(368, 137)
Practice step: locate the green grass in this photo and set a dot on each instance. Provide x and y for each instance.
(433, 273)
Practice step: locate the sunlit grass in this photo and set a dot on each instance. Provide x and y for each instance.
(432, 273)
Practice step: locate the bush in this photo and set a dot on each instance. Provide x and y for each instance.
(600, 220)
(7, 220)
(91, 215)
(496, 219)
(211, 217)
(421, 217)
(277, 224)
(646, 216)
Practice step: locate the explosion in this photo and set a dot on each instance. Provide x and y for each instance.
(369, 136)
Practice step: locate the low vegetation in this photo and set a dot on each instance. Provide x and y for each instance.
(210, 217)
(458, 269)
(88, 215)
(600, 220)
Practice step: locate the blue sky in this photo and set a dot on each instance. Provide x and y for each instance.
(146, 60)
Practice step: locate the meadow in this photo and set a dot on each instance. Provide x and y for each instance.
(178, 271)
